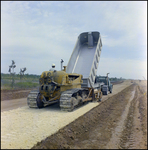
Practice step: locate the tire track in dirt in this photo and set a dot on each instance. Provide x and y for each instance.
(117, 132)
(134, 135)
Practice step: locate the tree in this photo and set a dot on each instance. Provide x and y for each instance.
(22, 72)
(12, 73)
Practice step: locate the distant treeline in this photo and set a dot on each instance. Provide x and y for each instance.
(6, 75)
(34, 76)
(116, 79)
(8, 81)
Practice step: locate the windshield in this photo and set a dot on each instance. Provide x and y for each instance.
(101, 79)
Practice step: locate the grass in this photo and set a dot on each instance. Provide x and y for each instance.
(19, 85)
(26, 83)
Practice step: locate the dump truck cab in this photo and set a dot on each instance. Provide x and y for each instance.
(107, 84)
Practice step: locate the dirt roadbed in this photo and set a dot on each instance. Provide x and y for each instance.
(14, 94)
(118, 123)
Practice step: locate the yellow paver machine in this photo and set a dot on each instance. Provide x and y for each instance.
(75, 84)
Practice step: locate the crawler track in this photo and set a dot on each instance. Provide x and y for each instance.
(71, 99)
(32, 99)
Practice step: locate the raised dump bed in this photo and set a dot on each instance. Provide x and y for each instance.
(85, 57)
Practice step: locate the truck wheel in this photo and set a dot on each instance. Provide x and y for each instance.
(100, 96)
(99, 100)
(105, 93)
(40, 104)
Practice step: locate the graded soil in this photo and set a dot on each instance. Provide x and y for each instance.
(118, 123)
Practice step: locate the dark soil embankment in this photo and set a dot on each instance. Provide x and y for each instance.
(14, 94)
(95, 129)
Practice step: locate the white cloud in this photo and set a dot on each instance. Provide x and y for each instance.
(113, 42)
(122, 68)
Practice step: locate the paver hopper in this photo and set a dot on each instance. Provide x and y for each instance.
(85, 57)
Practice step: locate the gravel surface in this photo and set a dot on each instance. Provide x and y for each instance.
(23, 127)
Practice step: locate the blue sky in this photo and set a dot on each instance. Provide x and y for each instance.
(36, 34)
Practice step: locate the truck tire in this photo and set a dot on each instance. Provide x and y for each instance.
(104, 92)
(100, 99)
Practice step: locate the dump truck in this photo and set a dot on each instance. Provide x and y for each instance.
(107, 87)
(75, 84)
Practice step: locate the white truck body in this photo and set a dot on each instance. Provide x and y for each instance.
(85, 57)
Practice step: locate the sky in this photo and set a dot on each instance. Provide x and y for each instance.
(36, 34)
